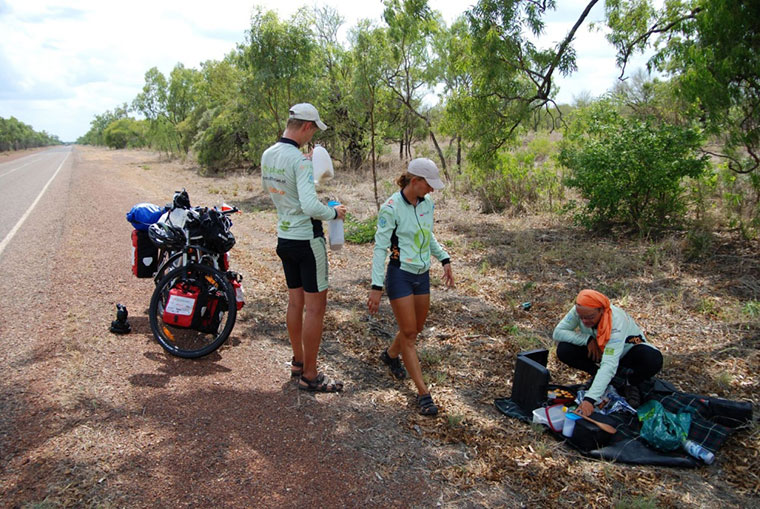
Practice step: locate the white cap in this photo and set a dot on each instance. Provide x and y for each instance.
(306, 111)
(424, 167)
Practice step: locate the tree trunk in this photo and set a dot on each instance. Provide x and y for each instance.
(440, 154)
(372, 145)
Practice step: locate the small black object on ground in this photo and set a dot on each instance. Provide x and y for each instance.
(121, 325)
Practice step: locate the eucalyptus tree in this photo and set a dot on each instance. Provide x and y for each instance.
(220, 118)
(512, 78)
(369, 46)
(151, 103)
(166, 104)
(712, 49)
(335, 91)
(16, 135)
(453, 67)
(277, 61)
(181, 102)
(411, 73)
(96, 134)
(125, 133)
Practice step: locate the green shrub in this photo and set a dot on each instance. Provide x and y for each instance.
(751, 309)
(358, 231)
(220, 142)
(124, 133)
(517, 179)
(629, 170)
(741, 201)
(699, 245)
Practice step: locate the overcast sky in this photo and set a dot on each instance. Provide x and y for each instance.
(63, 62)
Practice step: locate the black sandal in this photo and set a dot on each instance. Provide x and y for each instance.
(320, 384)
(298, 371)
(394, 364)
(427, 407)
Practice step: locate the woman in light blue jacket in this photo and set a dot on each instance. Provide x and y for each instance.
(599, 338)
(405, 227)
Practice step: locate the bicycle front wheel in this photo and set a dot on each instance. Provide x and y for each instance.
(192, 310)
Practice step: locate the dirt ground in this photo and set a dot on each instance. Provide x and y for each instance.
(92, 419)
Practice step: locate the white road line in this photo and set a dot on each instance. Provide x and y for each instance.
(16, 228)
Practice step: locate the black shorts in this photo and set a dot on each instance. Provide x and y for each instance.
(304, 263)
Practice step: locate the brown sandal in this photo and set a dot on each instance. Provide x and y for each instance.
(320, 384)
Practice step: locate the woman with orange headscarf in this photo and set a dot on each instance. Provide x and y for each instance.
(599, 338)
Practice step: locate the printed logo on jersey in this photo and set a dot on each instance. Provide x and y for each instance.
(422, 240)
(385, 216)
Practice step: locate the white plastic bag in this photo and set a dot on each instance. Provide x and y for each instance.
(322, 164)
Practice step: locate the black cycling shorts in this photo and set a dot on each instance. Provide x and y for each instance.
(304, 263)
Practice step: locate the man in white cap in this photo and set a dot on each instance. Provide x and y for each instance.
(287, 174)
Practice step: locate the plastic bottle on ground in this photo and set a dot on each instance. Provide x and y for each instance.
(698, 451)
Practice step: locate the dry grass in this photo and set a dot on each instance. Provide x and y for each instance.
(692, 310)
(701, 312)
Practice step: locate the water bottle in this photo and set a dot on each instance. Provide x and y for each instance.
(568, 426)
(698, 451)
(335, 229)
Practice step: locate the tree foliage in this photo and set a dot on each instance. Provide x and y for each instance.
(409, 73)
(711, 48)
(125, 133)
(16, 135)
(512, 77)
(495, 81)
(630, 170)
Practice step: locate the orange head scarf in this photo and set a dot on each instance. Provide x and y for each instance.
(594, 299)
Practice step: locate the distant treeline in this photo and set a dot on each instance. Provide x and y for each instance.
(16, 135)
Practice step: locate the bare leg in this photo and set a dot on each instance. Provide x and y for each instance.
(311, 333)
(411, 313)
(294, 321)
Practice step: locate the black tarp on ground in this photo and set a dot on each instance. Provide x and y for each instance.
(712, 422)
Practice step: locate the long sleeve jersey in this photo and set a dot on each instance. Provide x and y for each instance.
(287, 174)
(407, 230)
(624, 335)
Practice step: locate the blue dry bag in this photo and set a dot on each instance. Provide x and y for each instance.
(143, 215)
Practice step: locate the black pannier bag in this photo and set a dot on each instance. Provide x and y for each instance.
(144, 254)
(587, 436)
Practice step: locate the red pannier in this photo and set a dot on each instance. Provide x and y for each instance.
(180, 305)
(235, 280)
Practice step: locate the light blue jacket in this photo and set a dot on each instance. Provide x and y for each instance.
(286, 173)
(623, 327)
(407, 230)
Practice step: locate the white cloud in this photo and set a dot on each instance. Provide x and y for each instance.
(61, 63)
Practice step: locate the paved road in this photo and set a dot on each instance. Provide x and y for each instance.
(23, 184)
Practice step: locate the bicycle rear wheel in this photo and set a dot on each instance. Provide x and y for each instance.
(192, 310)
